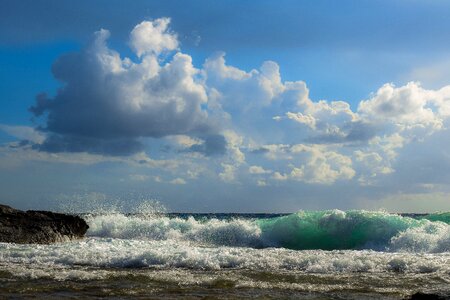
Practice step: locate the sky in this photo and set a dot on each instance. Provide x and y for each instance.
(225, 106)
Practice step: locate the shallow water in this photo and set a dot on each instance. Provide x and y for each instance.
(311, 255)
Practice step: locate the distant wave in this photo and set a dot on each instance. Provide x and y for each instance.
(326, 230)
(441, 216)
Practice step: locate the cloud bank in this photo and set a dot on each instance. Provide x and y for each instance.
(240, 125)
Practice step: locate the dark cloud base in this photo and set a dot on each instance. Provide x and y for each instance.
(114, 147)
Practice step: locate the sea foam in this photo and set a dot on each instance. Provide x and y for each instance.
(119, 253)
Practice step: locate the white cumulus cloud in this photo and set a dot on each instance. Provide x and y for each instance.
(153, 37)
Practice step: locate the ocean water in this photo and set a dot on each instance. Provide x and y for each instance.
(308, 254)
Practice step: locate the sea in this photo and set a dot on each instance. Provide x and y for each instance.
(330, 254)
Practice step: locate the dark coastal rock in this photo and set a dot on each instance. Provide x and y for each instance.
(426, 296)
(38, 227)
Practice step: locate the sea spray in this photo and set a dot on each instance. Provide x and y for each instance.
(94, 203)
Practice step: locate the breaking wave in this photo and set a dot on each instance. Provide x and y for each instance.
(325, 230)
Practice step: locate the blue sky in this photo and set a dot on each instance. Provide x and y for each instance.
(225, 105)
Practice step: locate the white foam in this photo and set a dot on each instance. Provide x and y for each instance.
(431, 237)
(119, 253)
(218, 232)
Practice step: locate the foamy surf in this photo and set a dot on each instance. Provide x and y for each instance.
(342, 253)
(119, 253)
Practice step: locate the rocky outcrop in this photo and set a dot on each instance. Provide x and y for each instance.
(427, 296)
(38, 227)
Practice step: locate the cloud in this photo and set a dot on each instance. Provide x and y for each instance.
(279, 176)
(23, 132)
(212, 145)
(260, 182)
(56, 143)
(373, 136)
(321, 165)
(108, 102)
(153, 37)
(178, 181)
(243, 92)
(139, 177)
(298, 117)
(330, 122)
(409, 105)
(234, 144)
(184, 141)
(373, 165)
(20, 153)
(228, 173)
(258, 170)
(309, 163)
(349, 132)
(209, 145)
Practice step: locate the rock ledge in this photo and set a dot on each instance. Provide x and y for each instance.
(38, 227)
